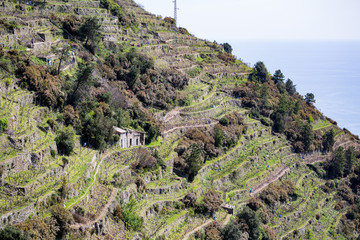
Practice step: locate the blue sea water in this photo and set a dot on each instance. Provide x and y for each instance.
(330, 70)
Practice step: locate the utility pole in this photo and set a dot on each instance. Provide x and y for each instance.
(175, 12)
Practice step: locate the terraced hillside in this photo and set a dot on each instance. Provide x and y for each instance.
(212, 125)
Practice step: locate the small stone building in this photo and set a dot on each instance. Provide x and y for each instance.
(229, 208)
(129, 138)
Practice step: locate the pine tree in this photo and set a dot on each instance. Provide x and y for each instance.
(278, 76)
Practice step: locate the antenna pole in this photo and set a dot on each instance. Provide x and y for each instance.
(175, 12)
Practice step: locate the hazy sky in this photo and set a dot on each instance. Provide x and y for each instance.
(264, 19)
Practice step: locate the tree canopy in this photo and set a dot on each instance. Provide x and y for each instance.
(260, 73)
(227, 47)
(336, 164)
(90, 30)
(290, 87)
(65, 140)
(310, 98)
(278, 76)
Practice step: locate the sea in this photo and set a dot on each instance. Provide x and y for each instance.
(328, 69)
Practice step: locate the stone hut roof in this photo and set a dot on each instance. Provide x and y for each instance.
(227, 206)
(120, 130)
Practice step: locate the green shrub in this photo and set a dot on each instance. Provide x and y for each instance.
(65, 140)
(52, 153)
(3, 124)
(184, 31)
(224, 121)
(51, 123)
(65, 161)
(311, 119)
(194, 72)
(12, 233)
(5, 64)
(8, 82)
(105, 3)
(130, 218)
(188, 100)
(169, 20)
(218, 137)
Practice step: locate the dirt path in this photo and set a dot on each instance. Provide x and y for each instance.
(272, 179)
(170, 115)
(224, 223)
(189, 126)
(92, 183)
(102, 213)
(197, 229)
(227, 220)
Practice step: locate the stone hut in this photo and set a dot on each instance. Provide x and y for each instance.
(229, 208)
(129, 138)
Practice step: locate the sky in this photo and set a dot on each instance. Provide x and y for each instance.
(264, 19)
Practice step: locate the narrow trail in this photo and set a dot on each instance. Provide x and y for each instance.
(102, 213)
(227, 220)
(272, 179)
(197, 229)
(224, 223)
(92, 183)
(189, 126)
(170, 115)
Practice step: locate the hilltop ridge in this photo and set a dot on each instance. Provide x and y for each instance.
(217, 132)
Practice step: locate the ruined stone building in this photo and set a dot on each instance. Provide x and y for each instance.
(129, 138)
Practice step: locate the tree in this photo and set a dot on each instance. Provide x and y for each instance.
(64, 188)
(90, 30)
(227, 47)
(309, 98)
(118, 213)
(63, 52)
(97, 127)
(264, 94)
(260, 73)
(63, 219)
(328, 140)
(336, 164)
(231, 231)
(189, 200)
(350, 157)
(38, 228)
(278, 121)
(65, 140)
(12, 233)
(290, 87)
(279, 115)
(83, 81)
(212, 201)
(218, 137)
(193, 161)
(3, 124)
(252, 221)
(151, 133)
(224, 121)
(169, 20)
(278, 76)
(281, 87)
(307, 136)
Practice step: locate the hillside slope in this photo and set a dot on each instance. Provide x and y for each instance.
(217, 131)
